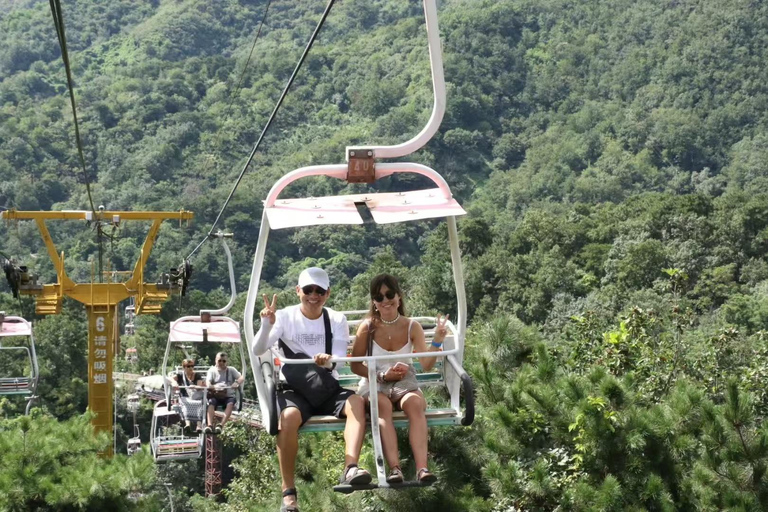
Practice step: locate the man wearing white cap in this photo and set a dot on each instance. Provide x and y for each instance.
(303, 330)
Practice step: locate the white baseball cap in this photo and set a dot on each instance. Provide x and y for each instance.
(316, 276)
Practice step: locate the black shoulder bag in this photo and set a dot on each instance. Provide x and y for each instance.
(315, 383)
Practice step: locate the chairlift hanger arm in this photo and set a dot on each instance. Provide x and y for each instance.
(438, 89)
(233, 296)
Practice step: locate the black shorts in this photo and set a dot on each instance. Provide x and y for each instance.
(288, 397)
(223, 402)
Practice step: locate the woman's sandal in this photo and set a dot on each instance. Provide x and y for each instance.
(353, 475)
(425, 476)
(395, 475)
(289, 508)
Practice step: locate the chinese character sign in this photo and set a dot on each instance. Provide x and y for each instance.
(100, 348)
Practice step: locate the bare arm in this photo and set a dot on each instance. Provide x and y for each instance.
(420, 345)
(267, 314)
(360, 348)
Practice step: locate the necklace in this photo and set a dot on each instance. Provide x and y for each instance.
(390, 322)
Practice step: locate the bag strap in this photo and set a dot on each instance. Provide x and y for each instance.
(328, 335)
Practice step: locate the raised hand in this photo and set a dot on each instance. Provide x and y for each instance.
(269, 309)
(441, 328)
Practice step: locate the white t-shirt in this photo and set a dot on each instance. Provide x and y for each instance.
(302, 334)
(228, 378)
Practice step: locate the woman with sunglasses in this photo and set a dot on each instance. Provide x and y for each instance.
(184, 382)
(394, 333)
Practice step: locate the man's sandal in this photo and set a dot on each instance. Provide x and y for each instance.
(289, 508)
(353, 475)
(395, 475)
(425, 476)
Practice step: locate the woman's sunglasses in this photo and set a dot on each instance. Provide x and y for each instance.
(379, 297)
(189, 366)
(310, 288)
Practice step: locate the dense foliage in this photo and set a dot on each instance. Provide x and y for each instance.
(611, 156)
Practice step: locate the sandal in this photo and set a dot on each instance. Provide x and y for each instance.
(289, 508)
(395, 475)
(353, 475)
(425, 476)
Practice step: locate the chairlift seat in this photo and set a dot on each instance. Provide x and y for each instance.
(385, 208)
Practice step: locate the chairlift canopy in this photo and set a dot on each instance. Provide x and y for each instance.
(190, 329)
(15, 326)
(385, 208)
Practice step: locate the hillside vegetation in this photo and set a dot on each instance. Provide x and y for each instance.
(612, 157)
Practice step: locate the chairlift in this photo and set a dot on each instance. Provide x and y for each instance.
(14, 333)
(211, 326)
(167, 438)
(132, 355)
(133, 403)
(134, 443)
(384, 208)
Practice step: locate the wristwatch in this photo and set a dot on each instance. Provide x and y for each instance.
(380, 377)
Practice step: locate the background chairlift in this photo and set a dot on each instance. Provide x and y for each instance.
(384, 208)
(167, 439)
(134, 443)
(15, 330)
(133, 401)
(209, 327)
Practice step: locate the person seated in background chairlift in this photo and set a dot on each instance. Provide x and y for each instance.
(301, 329)
(395, 333)
(182, 381)
(221, 380)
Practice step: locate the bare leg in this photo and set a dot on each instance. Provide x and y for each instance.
(414, 405)
(388, 433)
(354, 430)
(287, 447)
(227, 413)
(211, 415)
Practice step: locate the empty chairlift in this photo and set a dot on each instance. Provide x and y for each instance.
(19, 371)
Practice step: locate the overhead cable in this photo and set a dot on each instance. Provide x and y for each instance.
(269, 122)
(247, 62)
(58, 20)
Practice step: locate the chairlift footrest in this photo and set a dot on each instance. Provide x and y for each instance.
(349, 489)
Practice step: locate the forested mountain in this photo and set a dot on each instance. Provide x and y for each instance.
(612, 158)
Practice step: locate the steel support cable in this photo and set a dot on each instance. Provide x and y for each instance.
(269, 122)
(58, 20)
(247, 62)
(232, 97)
(236, 91)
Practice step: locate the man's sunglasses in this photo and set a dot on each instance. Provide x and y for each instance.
(379, 297)
(222, 361)
(310, 288)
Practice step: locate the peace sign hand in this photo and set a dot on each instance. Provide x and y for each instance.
(441, 329)
(269, 309)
